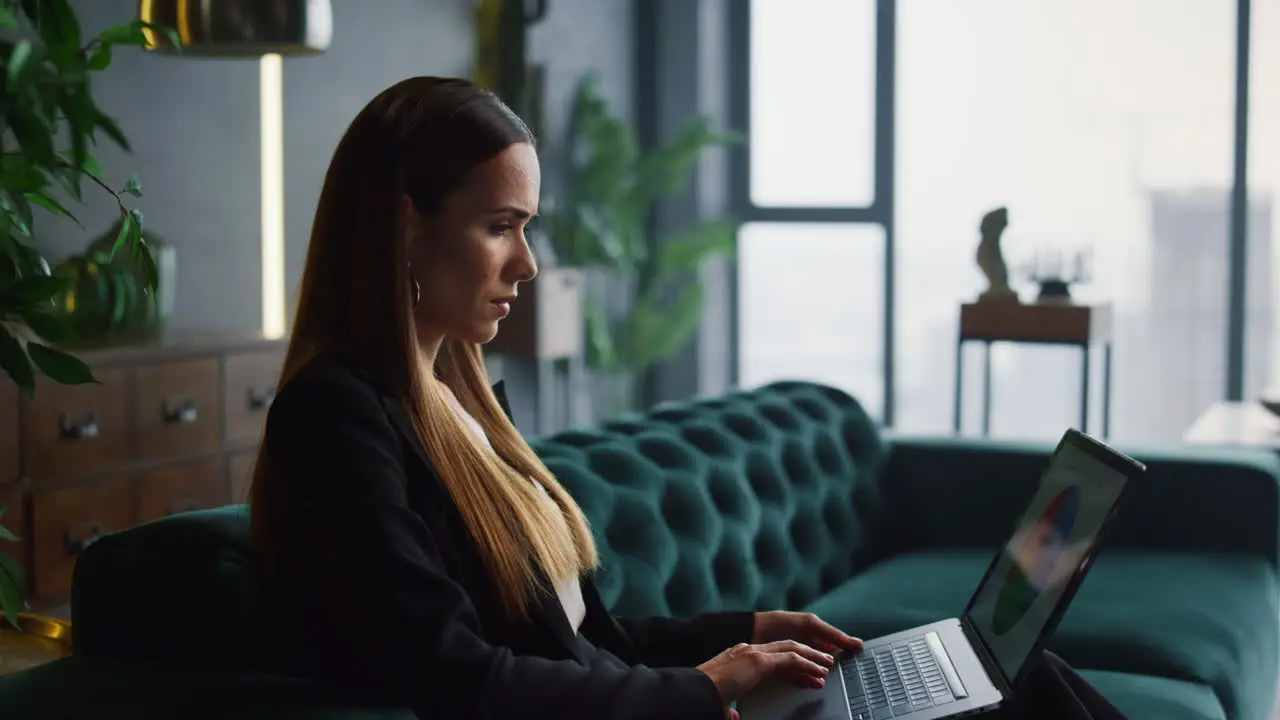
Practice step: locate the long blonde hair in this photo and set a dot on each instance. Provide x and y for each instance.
(419, 138)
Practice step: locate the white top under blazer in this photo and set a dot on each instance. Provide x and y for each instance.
(568, 590)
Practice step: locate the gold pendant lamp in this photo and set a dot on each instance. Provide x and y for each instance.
(240, 28)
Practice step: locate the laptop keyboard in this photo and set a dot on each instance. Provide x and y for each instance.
(894, 680)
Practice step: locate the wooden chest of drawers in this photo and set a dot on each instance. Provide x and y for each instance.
(173, 426)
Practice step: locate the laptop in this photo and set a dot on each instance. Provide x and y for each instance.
(976, 662)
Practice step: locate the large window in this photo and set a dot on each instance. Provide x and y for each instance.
(813, 73)
(813, 306)
(1096, 122)
(882, 131)
(812, 258)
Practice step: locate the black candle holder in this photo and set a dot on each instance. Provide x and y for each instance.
(1054, 290)
(1054, 271)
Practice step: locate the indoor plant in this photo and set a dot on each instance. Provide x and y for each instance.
(50, 124)
(603, 217)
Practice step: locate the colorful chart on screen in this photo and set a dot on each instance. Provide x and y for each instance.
(1035, 560)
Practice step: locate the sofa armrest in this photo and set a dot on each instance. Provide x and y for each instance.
(83, 688)
(959, 492)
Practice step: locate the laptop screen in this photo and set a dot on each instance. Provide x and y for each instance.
(1051, 543)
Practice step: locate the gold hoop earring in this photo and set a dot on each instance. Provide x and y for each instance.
(416, 290)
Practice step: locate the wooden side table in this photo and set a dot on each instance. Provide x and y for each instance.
(1082, 326)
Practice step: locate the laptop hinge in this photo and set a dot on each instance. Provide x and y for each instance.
(985, 657)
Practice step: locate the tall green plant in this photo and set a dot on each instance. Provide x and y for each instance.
(49, 123)
(603, 219)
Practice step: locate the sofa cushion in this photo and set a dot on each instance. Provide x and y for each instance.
(183, 588)
(749, 500)
(1148, 696)
(744, 501)
(1201, 618)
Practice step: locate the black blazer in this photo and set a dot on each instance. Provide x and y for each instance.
(380, 573)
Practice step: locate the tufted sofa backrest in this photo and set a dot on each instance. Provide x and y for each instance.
(751, 500)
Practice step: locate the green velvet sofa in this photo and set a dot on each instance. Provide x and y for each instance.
(784, 497)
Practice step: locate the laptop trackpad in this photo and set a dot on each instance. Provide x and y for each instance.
(780, 700)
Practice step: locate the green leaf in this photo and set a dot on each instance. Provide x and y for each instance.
(60, 31)
(79, 112)
(108, 125)
(692, 247)
(54, 327)
(604, 242)
(133, 187)
(14, 361)
(33, 133)
(68, 179)
(101, 57)
(61, 367)
(10, 590)
(6, 534)
(18, 174)
(150, 274)
(31, 290)
(130, 34)
(9, 567)
(8, 20)
(668, 169)
(30, 8)
(124, 236)
(602, 352)
(656, 332)
(27, 260)
(175, 40)
(22, 209)
(50, 203)
(18, 61)
(16, 220)
(89, 164)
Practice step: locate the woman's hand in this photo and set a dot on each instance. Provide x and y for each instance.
(805, 628)
(742, 667)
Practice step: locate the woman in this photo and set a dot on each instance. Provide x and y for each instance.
(431, 556)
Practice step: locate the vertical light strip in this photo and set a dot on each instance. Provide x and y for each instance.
(271, 102)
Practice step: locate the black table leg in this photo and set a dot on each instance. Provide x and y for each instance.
(959, 405)
(1084, 388)
(986, 389)
(1106, 390)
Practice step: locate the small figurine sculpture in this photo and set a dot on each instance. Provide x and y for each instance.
(991, 259)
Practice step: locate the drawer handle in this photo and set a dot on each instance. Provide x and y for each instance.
(260, 400)
(80, 537)
(78, 431)
(184, 414)
(183, 505)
